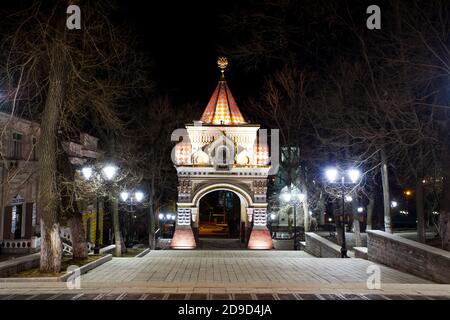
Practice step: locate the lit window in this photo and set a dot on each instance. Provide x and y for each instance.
(33, 216)
(14, 219)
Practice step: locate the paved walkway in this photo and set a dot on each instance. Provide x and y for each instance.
(210, 274)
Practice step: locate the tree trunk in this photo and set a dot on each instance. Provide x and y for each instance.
(356, 228)
(370, 207)
(321, 209)
(69, 205)
(337, 218)
(151, 228)
(421, 236)
(79, 243)
(386, 199)
(116, 225)
(51, 246)
(305, 208)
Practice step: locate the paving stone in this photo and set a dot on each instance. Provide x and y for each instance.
(20, 297)
(353, 297)
(417, 297)
(66, 296)
(88, 296)
(198, 296)
(155, 296)
(286, 296)
(331, 297)
(110, 296)
(220, 296)
(439, 297)
(44, 296)
(396, 297)
(176, 296)
(6, 296)
(243, 296)
(375, 297)
(264, 296)
(132, 296)
(308, 296)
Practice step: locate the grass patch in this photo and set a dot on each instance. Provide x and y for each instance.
(65, 263)
(131, 252)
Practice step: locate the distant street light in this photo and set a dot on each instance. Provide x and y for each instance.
(360, 209)
(353, 175)
(124, 195)
(139, 196)
(394, 204)
(293, 197)
(109, 172)
(331, 174)
(87, 172)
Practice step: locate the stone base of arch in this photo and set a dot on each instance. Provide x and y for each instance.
(183, 238)
(260, 239)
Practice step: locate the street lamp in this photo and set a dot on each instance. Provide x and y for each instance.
(351, 176)
(131, 199)
(293, 197)
(108, 173)
(124, 196)
(139, 196)
(87, 172)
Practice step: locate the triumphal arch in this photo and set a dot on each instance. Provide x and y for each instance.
(222, 151)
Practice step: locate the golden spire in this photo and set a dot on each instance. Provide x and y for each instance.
(222, 62)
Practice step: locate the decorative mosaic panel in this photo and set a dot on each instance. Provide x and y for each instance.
(184, 217)
(259, 217)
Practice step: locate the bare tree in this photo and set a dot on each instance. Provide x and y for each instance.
(66, 78)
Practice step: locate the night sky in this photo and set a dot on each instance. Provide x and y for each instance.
(182, 39)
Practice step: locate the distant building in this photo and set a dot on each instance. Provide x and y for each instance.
(19, 217)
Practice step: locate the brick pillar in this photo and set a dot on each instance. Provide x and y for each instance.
(183, 237)
(260, 238)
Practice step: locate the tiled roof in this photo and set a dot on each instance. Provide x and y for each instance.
(222, 108)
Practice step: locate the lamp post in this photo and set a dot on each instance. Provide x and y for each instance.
(292, 196)
(131, 199)
(108, 173)
(343, 179)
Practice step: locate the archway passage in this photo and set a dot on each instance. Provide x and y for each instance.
(220, 215)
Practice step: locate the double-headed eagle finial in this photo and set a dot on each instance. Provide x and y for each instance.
(222, 62)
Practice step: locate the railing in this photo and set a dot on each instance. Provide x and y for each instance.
(67, 249)
(16, 244)
(35, 243)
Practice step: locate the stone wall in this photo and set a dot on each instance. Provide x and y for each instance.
(10, 267)
(409, 256)
(321, 247)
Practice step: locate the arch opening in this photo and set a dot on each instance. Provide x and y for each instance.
(220, 215)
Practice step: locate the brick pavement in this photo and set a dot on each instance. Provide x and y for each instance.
(198, 274)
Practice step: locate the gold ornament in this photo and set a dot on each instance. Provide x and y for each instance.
(222, 62)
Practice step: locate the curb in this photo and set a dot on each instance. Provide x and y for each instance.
(82, 270)
(143, 253)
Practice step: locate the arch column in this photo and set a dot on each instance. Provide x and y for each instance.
(260, 238)
(183, 238)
